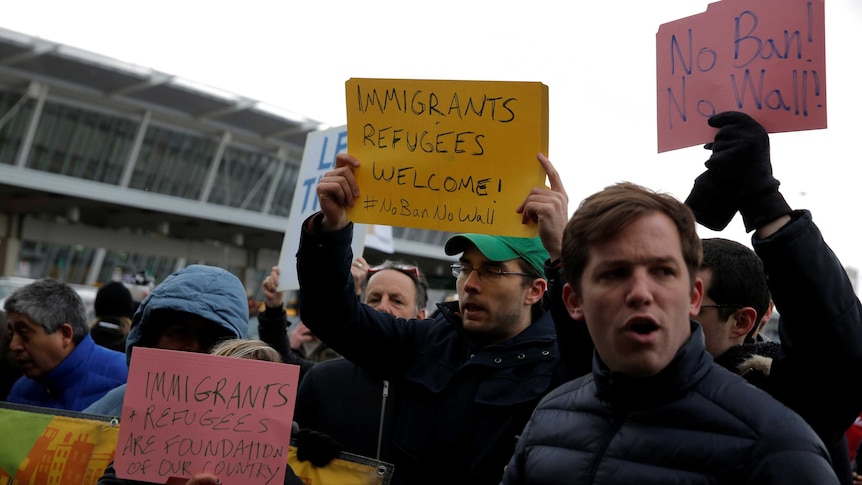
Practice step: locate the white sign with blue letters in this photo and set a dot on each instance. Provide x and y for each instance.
(321, 147)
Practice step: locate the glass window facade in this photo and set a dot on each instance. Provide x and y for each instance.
(65, 262)
(173, 163)
(123, 264)
(96, 145)
(243, 179)
(87, 145)
(13, 116)
(283, 196)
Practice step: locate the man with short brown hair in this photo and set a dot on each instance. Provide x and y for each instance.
(655, 408)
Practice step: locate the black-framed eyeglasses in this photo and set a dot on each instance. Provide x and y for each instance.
(408, 269)
(735, 306)
(489, 274)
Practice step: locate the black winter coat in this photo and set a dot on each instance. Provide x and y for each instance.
(460, 405)
(820, 328)
(346, 403)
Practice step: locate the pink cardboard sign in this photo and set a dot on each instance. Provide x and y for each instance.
(766, 58)
(186, 413)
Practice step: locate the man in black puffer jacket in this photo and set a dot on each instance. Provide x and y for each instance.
(655, 409)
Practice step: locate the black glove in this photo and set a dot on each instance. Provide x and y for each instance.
(316, 447)
(738, 176)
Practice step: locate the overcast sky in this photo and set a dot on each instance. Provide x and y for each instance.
(597, 58)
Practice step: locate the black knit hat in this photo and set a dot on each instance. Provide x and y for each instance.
(113, 299)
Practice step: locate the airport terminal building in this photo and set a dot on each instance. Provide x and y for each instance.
(108, 168)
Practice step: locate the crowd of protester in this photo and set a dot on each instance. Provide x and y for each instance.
(614, 347)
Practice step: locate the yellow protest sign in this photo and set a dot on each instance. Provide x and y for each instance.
(346, 469)
(71, 448)
(42, 446)
(447, 155)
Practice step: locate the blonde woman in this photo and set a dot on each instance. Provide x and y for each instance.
(246, 349)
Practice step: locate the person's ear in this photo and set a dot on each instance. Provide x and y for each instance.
(67, 334)
(573, 304)
(420, 314)
(742, 321)
(536, 291)
(696, 298)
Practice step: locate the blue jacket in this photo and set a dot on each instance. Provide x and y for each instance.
(692, 423)
(458, 405)
(211, 293)
(83, 377)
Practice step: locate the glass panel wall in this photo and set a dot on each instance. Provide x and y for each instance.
(68, 263)
(243, 179)
(81, 144)
(125, 265)
(95, 145)
(283, 197)
(13, 122)
(173, 163)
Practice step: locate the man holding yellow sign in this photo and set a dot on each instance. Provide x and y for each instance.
(466, 381)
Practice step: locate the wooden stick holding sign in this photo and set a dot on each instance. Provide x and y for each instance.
(186, 413)
(766, 58)
(446, 155)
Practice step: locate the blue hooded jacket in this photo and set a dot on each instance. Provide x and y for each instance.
(211, 293)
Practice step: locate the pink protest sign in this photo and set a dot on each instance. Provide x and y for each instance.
(186, 413)
(766, 58)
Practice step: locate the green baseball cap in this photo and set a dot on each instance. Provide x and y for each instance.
(502, 248)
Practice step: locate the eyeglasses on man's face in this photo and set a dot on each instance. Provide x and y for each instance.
(460, 270)
(408, 269)
(735, 306)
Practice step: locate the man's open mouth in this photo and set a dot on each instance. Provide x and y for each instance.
(643, 327)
